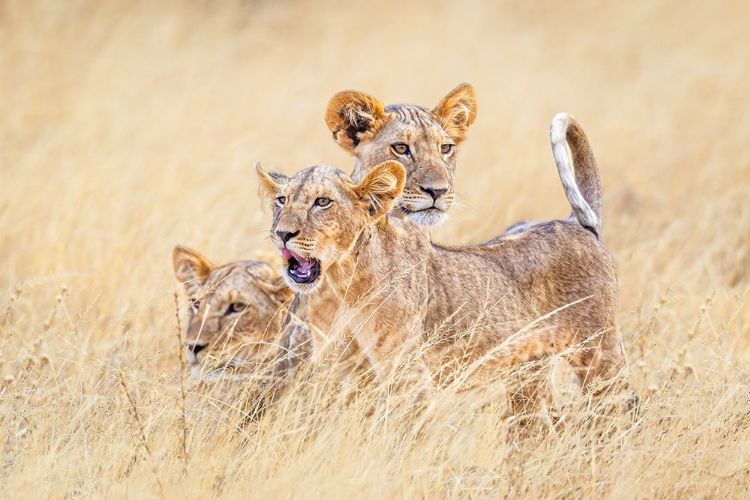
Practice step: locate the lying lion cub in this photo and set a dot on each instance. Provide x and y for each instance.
(236, 312)
(376, 284)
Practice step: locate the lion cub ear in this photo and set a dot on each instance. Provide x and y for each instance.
(276, 290)
(191, 268)
(352, 116)
(269, 281)
(270, 182)
(457, 111)
(381, 186)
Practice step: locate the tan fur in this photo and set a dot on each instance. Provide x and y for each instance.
(218, 336)
(385, 288)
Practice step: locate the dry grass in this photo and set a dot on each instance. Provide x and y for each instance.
(130, 127)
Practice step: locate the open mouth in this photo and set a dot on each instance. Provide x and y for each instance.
(300, 269)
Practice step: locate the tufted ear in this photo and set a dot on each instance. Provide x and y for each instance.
(268, 280)
(276, 289)
(270, 182)
(191, 268)
(352, 116)
(457, 111)
(381, 186)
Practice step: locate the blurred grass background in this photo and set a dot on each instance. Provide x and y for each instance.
(129, 127)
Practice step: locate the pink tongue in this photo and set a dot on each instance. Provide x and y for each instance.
(304, 266)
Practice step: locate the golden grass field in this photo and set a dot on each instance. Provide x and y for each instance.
(129, 127)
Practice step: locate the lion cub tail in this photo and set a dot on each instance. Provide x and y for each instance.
(578, 171)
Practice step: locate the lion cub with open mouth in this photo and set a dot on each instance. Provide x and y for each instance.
(377, 286)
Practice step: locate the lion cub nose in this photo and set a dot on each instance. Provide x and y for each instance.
(435, 193)
(286, 235)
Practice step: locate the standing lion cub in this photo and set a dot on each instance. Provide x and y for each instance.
(376, 285)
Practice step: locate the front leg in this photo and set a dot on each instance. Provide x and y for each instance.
(295, 346)
(396, 353)
(336, 364)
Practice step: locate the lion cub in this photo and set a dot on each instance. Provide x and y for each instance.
(236, 312)
(376, 284)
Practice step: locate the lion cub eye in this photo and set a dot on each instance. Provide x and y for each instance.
(446, 149)
(323, 202)
(281, 200)
(400, 148)
(195, 305)
(236, 307)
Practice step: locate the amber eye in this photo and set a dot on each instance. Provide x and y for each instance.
(236, 307)
(323, 202)
(280, 201)
(446, 149)
(400, 148)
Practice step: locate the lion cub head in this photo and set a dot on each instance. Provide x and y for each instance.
(424, 141)
(320, 215)
(236, 310)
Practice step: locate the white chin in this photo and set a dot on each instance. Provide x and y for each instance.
(428, 217)
(302, 288)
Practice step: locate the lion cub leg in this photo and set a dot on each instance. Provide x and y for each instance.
(405, 375)
(598, 361)
(603, 371)
(415, 381)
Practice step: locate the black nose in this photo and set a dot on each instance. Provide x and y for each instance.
(435, 193)
(196, 348)
(286, 235)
